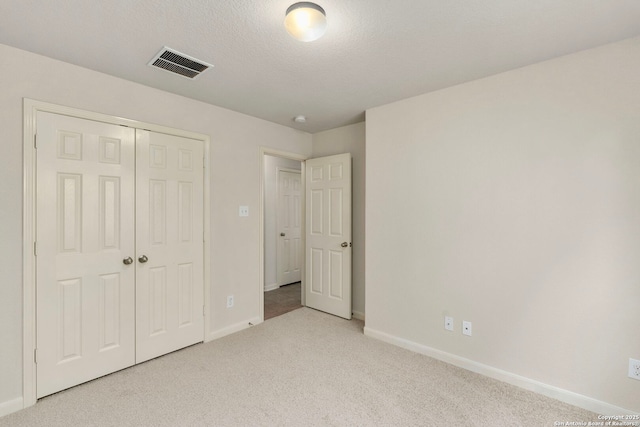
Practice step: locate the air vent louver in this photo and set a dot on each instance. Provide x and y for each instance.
(178, 63)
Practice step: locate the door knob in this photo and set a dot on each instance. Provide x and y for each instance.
(143, 259)
(344, 244)
(282, 234)
(127, 261)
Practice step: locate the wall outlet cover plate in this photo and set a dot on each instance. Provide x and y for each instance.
(634, 369)
(448, 323)
(466, 328)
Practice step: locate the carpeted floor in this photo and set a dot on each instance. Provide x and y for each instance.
(303, 368)
(282, 300)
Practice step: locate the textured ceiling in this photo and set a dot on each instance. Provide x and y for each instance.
(374, 51)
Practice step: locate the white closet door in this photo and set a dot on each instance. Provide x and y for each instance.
(85, 229)
(289, 251)
(169, 242)
(328, 233)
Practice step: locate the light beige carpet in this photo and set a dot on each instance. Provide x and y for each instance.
(303, 368)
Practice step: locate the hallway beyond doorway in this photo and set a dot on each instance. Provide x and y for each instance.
(282, 300)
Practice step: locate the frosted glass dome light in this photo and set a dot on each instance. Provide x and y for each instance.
(305, 21)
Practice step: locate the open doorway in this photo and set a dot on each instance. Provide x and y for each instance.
(325, 206)
(283, 249)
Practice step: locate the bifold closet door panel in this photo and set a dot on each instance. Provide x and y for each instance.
(85, 288)
(169, 241)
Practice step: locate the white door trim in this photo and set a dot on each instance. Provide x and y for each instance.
(285, 155)
(30, 110)
(278, 213)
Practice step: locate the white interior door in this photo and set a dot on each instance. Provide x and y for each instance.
(328, 234)
(169, 211)
(85, 229)
(289, 253)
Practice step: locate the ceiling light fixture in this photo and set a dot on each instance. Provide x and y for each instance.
(306, 21)
(300, 119)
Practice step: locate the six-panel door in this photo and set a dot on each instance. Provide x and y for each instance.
(290, 251)
(85, 229)
(169, 211)
(328, 234)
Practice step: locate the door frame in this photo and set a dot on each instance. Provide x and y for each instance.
(279, 213)
(30, 110)
(266, 151)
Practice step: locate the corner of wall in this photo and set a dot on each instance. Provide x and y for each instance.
(11, 406)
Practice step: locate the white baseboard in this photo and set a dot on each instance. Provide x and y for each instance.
(271, 287)
(11, 406)
(357, 315)
(233, 329)
(562, 395)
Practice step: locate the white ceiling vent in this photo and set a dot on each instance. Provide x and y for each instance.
(178, 63)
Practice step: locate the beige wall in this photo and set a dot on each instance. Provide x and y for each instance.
(514, 202)
(350, 139)
(235, 178)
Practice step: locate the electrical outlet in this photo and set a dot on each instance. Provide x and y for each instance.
(448, 323)
(230, 301)
(634, 369)
(466, 327)
(243, 211)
